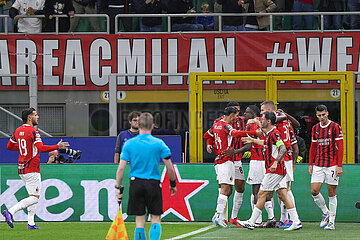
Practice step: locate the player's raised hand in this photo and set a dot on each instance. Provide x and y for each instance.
(310, 169)
(62, 144)
(173, 190)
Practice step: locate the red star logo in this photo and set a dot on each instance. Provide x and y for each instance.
(179, 203)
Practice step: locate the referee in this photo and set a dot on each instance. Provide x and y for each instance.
(143, 153)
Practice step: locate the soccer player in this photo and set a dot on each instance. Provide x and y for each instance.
(257, 164)
(27, 141)
(133, 119)
(143, 153)
(223, 134)
(283, 126)
(326, 152)
(274, 152)
(238, 124)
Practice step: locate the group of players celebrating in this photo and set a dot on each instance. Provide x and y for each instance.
(269, 137)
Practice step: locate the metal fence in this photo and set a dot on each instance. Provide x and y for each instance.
(219, 16)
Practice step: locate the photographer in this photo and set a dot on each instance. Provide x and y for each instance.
(55, 157)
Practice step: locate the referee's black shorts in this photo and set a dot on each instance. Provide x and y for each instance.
(143, 194)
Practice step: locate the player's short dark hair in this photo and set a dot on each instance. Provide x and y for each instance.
(26, 112)
(133, 115)
(146, 121)
(233, 104)
(255, 109)
(230, 110)
(270, 116)
(320, 108)
(269, 104)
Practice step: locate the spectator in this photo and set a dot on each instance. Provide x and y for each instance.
(217, 9)
(234, 23)
(332, 21)
(5, 5)
(183, 23)
(27, 25)
(81, 7)
(253, 23)
(354, 6)
(207, 22)
(150, 24)
(58, 7)
(303, 6)
(116, 7)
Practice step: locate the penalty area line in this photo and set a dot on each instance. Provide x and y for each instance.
(192, 233)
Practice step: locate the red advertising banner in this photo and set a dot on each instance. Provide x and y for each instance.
(84, 62)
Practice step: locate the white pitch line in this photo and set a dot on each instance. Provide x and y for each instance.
(193, 233)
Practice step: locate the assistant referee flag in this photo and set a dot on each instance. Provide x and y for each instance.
(117, 229)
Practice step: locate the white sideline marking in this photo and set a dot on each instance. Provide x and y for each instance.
(193, 232)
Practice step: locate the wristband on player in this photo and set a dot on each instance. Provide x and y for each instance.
(121, 188)
(173, 183)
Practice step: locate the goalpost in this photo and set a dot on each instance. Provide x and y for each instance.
(196, 97)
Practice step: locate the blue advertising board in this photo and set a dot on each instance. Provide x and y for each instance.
(94, 149)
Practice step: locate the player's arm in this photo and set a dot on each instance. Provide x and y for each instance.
(282, 151)
(250, 140)
(210, 141)
(171, 172)
(295, 150)
(237, 133)
(312, 153)
(12, 144)
(48, 148)
(119, 176)
(340, 152)
(245, 148)
(295, 123)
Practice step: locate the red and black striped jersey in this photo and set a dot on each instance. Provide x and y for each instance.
(325, 137)
(284, 130)
(237, 143)
(221, 131)
(271, 151)
(239, 124)
(256, 149)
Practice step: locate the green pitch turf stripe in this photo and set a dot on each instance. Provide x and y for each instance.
(193, 232)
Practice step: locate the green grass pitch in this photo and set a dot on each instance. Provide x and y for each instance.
(97, 230)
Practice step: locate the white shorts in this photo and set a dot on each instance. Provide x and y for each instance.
(32, 182)
(272, 182)
(289, 177)
(225, 173)
(256, 172)
(328, 174)
(239, 171)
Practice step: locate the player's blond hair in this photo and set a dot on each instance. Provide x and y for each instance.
(268, 104)
(146, 121)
